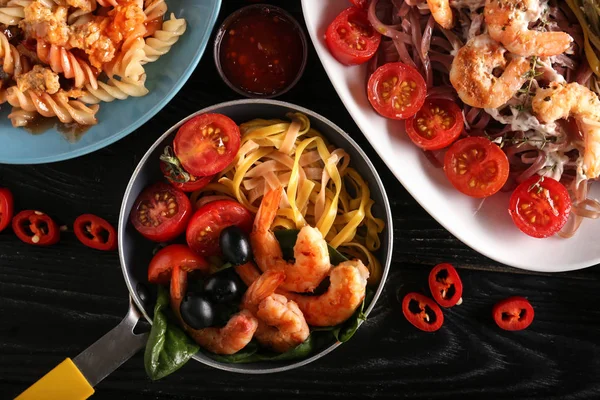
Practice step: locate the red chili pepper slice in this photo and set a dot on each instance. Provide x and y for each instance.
(513, 314)
(36, 228)
(445, 285)
(422, 312)
(95, 232)
(6, 208)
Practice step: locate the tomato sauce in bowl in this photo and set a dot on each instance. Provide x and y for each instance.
(260, 51)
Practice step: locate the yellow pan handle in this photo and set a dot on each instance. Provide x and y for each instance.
(75, 379)
(64, 382)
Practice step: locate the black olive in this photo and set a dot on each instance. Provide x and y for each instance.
(197, 311)
(235, 245)
(221, 288)
(145, 296)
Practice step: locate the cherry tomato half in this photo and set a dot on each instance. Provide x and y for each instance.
(161, 266)
(422, 312)
(436, 125)
(6, 208)
(177, 180)
(445, 285)
(476, 167)
(207, 143)
(206, 225)
(396, 90)
(513, 314)
(35, 227)
(350, 37)
(540, 206)
(161, 212)
(95, 232)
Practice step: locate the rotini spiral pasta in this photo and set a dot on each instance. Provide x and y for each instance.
(128, 63)
(155, 9)
(13, 12)
(53, 105)
(114, 89)
(161, 42)
(63, 61)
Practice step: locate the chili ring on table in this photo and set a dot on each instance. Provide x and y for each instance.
(422, 312)
(95, 232)
(445, 285)
(36, 228)
(6, 208)
(513, 314)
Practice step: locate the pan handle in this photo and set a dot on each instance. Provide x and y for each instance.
(75, 379)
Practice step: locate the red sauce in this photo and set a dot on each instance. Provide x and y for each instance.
(261, 52)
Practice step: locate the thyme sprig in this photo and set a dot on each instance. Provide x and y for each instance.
(531, 76)
(504, 139)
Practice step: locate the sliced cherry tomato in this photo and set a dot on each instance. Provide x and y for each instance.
(476, 167)
(436, 125)
(396, 90)
(178, 180)
(422, 312)
(206, 225)
(161, 212)
(35, 227)
(95, 232)
(161, 266)
(445, 285)
(6, 208)
(540, 206)
(350, 37)
(207, 143)
(513, 314)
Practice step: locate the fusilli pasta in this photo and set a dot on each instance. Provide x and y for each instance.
(67, 56)
(163, 39)
(53, 105)
(114, 89)
(63, 61)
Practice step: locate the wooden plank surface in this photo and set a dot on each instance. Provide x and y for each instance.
(55, 302)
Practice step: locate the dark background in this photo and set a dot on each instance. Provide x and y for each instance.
(56, 301)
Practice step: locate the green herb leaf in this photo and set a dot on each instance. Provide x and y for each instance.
(168, 347)
(287, 239)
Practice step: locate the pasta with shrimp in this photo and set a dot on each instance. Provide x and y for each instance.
(321, 189)
(62, 58)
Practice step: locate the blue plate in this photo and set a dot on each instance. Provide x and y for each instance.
(119, 118)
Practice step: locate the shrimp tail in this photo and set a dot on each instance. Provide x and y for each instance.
(268, 210)
(261, 288)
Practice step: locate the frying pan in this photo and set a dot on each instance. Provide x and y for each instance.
(74, 379)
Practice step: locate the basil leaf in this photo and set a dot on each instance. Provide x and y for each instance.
(347, 329)
(287, 239)
(168, 347)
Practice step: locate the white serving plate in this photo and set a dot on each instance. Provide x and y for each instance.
(484, 226)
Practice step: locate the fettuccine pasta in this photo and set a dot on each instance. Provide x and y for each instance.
(321, 189)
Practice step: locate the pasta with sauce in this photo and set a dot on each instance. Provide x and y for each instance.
(60, 58)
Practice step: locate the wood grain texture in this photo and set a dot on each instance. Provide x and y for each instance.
(55, 302)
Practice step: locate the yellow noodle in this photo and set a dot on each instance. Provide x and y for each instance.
(321, 189)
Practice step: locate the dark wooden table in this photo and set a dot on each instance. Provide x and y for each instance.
(56, 301)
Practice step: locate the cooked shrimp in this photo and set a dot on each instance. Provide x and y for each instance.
(472, 73)
(508, 22)
(346, 292)
(281, 324)
(230, 339)
(573, 100)
(441, 12)
(311, 253)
